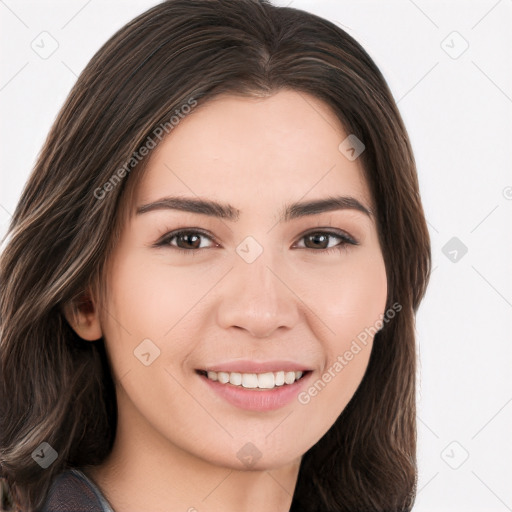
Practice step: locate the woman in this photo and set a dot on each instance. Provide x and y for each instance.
(209, 287)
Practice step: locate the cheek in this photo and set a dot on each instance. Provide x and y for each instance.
(350, 296)
(150, 298)
(350, 302)
(362, 299)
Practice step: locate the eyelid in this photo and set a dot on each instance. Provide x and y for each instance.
(340, 233)
(344, 237)
(164, 240)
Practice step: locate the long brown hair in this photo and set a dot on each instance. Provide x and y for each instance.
(57, 388)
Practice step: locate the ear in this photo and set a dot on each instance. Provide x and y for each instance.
(82, 315)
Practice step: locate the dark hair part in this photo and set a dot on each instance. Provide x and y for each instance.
(57, 388)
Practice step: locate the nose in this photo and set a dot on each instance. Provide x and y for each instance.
(256, 298)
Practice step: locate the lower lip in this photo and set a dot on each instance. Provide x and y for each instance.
(255, 399)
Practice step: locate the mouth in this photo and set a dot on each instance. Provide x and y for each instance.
(252, 385)
(255, 381)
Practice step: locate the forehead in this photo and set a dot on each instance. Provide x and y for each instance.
(275, 149)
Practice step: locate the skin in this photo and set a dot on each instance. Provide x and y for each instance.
(177, 441)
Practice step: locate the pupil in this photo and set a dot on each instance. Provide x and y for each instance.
(318, 239)
(189, 240)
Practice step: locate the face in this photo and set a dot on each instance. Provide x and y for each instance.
(237, 332)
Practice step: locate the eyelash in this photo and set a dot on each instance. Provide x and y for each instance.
(344, 238)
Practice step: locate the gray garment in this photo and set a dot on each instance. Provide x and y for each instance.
(72, 491)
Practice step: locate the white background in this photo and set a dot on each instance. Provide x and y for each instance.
(458, 114)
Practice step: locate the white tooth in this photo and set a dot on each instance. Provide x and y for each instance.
(279, 378)
(298, 375)
(212, 375)
(266, 380)
(223, 377)
(249, 380)
(235, 378)
(289, 377)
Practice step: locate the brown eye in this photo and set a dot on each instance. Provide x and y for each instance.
(188, 241)
(185, 240)
(326, 241)
(317, 241)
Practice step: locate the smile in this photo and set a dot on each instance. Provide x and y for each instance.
(265, 391)
(267, 380)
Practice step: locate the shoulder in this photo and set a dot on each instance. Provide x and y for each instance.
(72, 491)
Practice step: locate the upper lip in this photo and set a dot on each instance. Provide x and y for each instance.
(245, 366)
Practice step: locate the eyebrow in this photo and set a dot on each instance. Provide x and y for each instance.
(228, 212)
